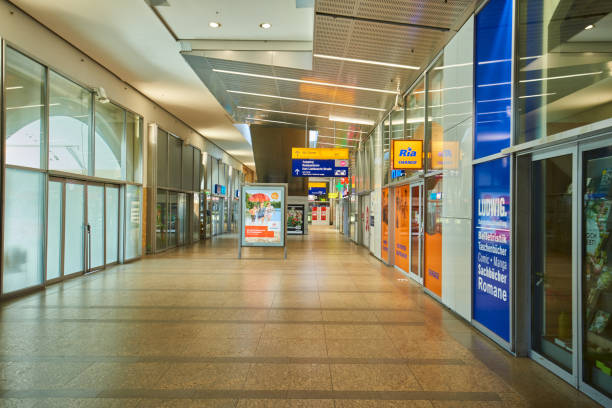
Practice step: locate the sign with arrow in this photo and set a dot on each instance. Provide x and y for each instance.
(319, 168)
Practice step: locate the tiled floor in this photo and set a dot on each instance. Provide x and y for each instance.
(330, 327)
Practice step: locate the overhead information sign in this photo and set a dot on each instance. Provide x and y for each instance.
(407, 154)
(319, 168)
(320, 153)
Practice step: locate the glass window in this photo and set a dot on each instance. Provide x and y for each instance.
(597, 274)
(187, 167)
(214, 174)
(162, 158)
(109, 138)
(174, 162)
(449, 113)
(197, 167)
(161, 228)
(386, 150)
(564, 66)
(25, 100)
(95, 219)
(133, 143)
(133, 247)
(69, 125)
(24, 229)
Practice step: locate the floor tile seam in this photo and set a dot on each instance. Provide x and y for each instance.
(166, 289)
(185, 359)
(204, 321)
(132, 307)
(198, 393)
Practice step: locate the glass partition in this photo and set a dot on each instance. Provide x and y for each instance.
(133, 224)
(24, 230)
(25, 110)
(162, 158)
(161, 224)
(109, 137)
(187, 168)
(54, 230)
(133, 144)
(112, 224)
(174, 162)
(70, 107)
(386, 149)
(565, 65)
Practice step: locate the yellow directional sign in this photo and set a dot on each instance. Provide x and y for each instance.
(332, 195)
(320, 153)
(315, 185)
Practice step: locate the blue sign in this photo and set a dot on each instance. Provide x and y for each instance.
(492, 78)
(491, 273)
(317, 191)
(319, 168)
(219, 189)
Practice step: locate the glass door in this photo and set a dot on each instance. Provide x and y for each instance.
(95, 225)
(74, 228)
(416, 230)
(552, 272)
(55, 231)
(596, 271)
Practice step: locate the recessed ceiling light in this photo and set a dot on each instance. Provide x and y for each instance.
(277, 111)
(344, 119)
(265, 26)
(214, 24)
(303, 81)
(589, 27)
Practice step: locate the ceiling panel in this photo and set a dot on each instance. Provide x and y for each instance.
(350, 38)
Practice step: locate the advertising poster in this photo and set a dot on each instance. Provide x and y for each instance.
(407, 154)
(263, 209)
(385, 225)
(433, 235)
(402, 227)
(295, 219)
(491, 277)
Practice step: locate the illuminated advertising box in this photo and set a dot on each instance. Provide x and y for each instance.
(407, 155)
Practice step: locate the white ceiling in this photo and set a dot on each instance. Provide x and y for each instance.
(128, 39)
(239, 19)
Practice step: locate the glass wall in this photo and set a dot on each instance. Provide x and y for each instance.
(133, 224)
(112, 224)
(54, 230)
(161, 223)
(564, 64)
(162, 158)
(109, 137)
(69, 125)
(133, 143)
(24, 230)
(25, 110)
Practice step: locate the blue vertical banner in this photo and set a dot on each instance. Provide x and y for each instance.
(493, 78)
(491, 258)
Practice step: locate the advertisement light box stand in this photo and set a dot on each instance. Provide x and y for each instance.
(263, 216)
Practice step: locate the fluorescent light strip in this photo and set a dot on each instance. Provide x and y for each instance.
(442, 89)
(494, 61)
(305, 100)
(494, 100)
(30, 106)
(288, 113)
(303, 81)
(275, 121)
(10, 88)
(562, 77)
(492, 113)
(496, 84)
(534, 96)
(337, 129)
(362, 61)
(335, 144)
(465, 64)
(338, 138)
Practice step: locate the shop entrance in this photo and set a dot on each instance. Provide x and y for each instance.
(571, 278)
(83, 228)
(408, 230)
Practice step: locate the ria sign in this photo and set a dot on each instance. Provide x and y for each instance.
(407, 155)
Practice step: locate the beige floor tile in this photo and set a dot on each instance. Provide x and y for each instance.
(224, 376)
(458, 378)
(361, 348)
(289, 376)
(101, 376)
(373, 377)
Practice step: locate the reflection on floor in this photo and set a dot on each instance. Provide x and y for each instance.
(329, 327)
